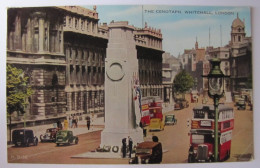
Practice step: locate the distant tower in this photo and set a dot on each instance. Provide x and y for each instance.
(196, 44)
(237, 31)
(94, 7)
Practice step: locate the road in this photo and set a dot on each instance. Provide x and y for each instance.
(175, 141)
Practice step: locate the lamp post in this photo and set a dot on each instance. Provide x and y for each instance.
(215, 91)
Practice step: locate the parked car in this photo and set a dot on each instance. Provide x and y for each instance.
(49, 135)
(241, 104)
(180, 104)
(156, 124)
(24, 137)
(147, 153)
(170, 119)
(66, 137)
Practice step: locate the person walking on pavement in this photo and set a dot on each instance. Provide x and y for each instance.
(88, 122)
(130, 145)
(70, 122)
(73, 122)
(124, 147)
(77, 122)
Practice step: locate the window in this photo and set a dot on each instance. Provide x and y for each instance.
(199, 114)
(64, 21)
(76, 23)
(70, 21)
(82, 25)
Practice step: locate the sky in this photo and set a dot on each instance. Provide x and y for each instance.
(179, 28)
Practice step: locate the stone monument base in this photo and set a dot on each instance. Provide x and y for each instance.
(114, 137)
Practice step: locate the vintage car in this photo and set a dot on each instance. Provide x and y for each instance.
(241, 104)
(170, 119)
(49, 135)
(156, 124)
(180, 104)
(66, 137)
(24, 137)
(147, 153)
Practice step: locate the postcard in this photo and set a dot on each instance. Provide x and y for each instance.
(129, 84)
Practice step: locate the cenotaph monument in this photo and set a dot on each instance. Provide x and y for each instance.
(121, 69)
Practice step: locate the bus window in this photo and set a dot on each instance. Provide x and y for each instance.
(199, 114)
(211, 115)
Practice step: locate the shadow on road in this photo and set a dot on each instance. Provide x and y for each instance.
(243, 157)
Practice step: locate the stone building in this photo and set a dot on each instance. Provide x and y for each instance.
(195, 62)
(149, 55)
(63, 51)
(240, 56)
(236, 59)
(170, 69)
(85, 43)
(35, 43)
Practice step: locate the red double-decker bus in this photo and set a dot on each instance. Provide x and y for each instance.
(151, 108)
(202, 133)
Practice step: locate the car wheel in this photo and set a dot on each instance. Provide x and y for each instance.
(76, 141)
(58, 144)
(35, 141)
(27, 143)
(41, 138)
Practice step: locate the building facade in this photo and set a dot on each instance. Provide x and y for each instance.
(62, 50)
(241, 56)
(170, 69)
(149, 55)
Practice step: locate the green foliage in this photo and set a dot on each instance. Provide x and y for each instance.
(17, 89)
(183, 82)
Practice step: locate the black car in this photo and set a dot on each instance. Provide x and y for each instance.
(24, 137)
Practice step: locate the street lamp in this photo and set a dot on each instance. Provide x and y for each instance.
(215, 91)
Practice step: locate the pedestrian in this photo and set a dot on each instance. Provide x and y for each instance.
(130, 145)
(88, 122)
(73, 121)
(77, 122)
(144, 128)
(124, 147)
(155, 138)
(70, 122)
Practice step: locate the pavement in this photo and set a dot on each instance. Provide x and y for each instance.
(97, 124)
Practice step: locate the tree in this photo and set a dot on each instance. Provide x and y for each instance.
(183, 82)
(18, 91)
